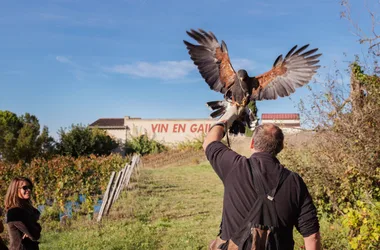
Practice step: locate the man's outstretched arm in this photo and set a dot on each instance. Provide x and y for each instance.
(221, 127)
(216, 133)
(313, 242)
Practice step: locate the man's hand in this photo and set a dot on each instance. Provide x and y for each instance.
(232, 113)
(220, 128)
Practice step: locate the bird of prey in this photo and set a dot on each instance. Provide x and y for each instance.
(288, 73)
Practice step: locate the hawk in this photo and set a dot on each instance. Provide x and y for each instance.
(287, 73)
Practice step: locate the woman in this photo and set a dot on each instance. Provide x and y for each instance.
(23, 228)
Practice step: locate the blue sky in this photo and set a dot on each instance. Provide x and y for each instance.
(70, 62)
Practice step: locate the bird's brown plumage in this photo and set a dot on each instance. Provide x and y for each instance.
(212, 59)
(287, 74)
(226, 73)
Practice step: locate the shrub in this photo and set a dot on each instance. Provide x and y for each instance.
(144, 145)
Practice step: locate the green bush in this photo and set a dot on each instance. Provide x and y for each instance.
(363, 225)
(144, 145)
(80, 140)
(196, 144)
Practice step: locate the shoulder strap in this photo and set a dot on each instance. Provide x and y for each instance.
(244, 230)
(260, 182)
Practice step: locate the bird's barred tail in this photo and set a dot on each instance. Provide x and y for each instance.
(218, 106)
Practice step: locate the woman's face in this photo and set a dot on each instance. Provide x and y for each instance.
(24, 190)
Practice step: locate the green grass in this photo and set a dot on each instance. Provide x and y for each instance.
(171, 208)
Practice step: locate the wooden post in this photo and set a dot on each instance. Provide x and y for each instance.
(128, 176)
(111, 200)
(117, 185)
(125, 169)
(105, 197)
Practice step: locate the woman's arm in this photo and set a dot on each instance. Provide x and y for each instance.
(32, 234)
(23, 222)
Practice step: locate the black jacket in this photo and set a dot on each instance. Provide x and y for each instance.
(21, 222)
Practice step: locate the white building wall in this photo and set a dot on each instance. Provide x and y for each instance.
(281, 121)
(169, 131)
(118, 134)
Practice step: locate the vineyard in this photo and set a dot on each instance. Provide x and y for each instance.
(64, 179)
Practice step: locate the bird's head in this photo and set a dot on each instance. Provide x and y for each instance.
(242, 74)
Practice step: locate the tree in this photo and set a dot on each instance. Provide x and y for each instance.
(102, 143)
(9, 130)
(81, 140)
(47, 144)
(27, 145)
(20, 137)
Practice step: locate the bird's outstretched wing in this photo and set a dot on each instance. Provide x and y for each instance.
(287, 74)
(212, 60)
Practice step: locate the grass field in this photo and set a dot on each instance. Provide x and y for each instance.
(170, 208)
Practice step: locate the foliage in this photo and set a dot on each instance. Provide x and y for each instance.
(143, 145)
(20, 138)
(341, 162)
(252, 106)
(81, 141)
(171, 208)
(196, 144)
(9, 127)
(363, 224)
(64, 178)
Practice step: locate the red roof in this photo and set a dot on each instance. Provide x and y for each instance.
(280, 116)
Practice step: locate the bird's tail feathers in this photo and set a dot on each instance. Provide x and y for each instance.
(218, 112)
(215, 104)
(219, 107)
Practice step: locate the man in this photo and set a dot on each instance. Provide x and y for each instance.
(293, 202)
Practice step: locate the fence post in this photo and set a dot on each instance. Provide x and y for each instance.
(111, 199)
(105, 197)
(124, 170)
(135, 160)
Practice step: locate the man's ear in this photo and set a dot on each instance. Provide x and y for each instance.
(252, 144)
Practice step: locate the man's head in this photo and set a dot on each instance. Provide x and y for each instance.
(268, 138)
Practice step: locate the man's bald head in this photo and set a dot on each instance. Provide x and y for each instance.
(268, 138)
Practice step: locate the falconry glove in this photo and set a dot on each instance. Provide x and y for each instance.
(228, 118)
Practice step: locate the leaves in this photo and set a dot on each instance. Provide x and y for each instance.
(20, 138)
(64, 178)
(82, 141)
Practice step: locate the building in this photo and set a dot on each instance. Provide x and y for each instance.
(179, 130)
(163, 130)
(288, 122)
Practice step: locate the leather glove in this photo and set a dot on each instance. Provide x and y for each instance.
(226, 120)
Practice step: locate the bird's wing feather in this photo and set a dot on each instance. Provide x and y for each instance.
(212, 60)
(293, 71)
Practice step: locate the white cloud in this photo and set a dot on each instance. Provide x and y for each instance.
(63, 59)
(166, 70)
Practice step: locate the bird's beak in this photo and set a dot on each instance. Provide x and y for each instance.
(241, 78)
